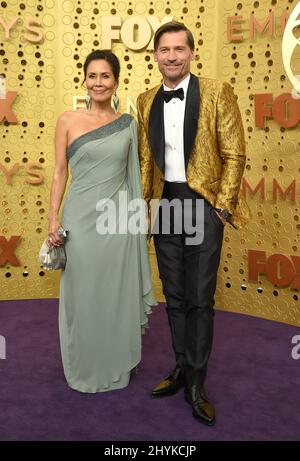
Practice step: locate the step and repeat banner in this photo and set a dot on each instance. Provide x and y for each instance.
(43, 44)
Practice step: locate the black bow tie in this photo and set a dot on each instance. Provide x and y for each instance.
(168, 95)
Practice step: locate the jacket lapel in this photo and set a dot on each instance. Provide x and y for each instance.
(191, 117)
(157, 131)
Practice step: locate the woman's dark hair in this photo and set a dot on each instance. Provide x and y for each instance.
(106, 55)
(173, 26)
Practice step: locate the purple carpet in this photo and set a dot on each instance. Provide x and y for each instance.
(253, 381)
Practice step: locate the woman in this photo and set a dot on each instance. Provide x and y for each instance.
(106, 289)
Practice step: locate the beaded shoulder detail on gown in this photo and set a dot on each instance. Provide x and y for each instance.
(101, 132)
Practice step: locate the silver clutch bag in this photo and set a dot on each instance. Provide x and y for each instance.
(54, 257)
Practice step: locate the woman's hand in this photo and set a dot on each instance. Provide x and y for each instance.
(53, 237)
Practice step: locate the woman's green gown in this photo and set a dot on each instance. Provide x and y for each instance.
(106, 289)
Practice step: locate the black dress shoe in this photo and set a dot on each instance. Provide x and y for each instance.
(170, 385)
(203, 410)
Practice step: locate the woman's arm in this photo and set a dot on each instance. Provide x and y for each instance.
(60, 178)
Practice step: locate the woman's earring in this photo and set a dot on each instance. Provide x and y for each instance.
(88, 102)
(116, 101)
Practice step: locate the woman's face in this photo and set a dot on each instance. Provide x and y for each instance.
(100, 80)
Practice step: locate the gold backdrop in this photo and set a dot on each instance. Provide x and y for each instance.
(43, 44)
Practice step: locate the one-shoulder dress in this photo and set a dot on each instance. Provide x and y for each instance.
(105, 290)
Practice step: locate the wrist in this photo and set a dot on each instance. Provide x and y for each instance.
(224, 213)
(53, 218)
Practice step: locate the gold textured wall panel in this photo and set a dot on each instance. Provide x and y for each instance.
(48, 75)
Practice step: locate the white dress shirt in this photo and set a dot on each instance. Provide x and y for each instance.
(174, 140)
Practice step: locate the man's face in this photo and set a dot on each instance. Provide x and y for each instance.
(174, 56)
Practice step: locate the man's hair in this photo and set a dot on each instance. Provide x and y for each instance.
(173, 26)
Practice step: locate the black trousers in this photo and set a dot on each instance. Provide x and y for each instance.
(188, 274)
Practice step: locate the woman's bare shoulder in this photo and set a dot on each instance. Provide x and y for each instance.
(68, 116)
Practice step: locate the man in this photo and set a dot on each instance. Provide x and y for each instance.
(191, 147)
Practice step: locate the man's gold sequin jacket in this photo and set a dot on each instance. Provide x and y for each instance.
(214, 145)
